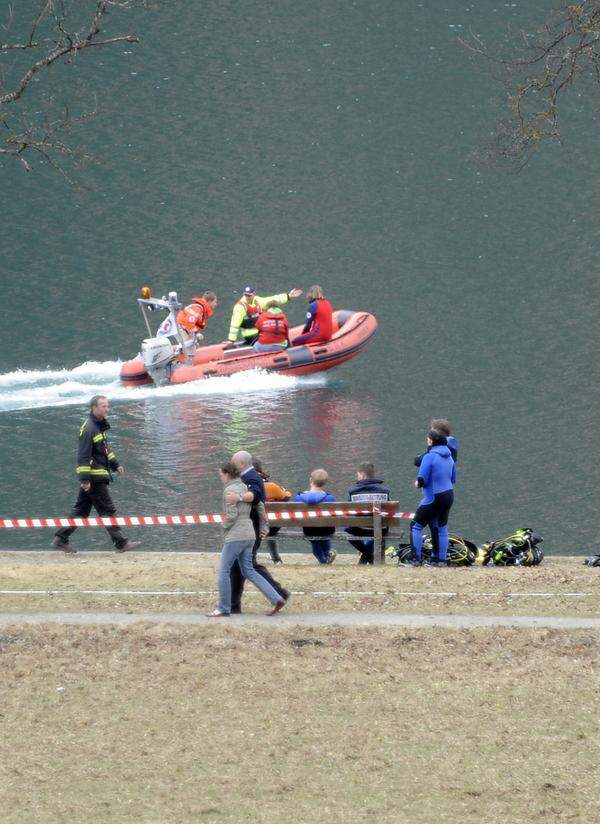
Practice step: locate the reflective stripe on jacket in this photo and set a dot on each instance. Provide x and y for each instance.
(245, 314)
(193, 318)
(94, 456)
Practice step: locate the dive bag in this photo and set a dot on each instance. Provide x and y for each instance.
(522, 548)
(593, 560)
(460, 552)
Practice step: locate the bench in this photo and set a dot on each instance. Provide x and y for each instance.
(343, 514)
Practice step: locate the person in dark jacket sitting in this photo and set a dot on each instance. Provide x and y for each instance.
(367, 489)
(319, 535)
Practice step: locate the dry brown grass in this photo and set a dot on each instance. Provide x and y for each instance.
(477, 590)
(237, 724)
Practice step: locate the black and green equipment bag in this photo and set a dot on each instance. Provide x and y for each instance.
(522, 548)
(460, 552)
(593, 560)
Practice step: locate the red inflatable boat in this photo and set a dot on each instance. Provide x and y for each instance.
(159, 364)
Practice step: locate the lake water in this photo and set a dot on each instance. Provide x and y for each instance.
(287, 144)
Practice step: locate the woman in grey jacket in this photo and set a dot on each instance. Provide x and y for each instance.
(239, 540)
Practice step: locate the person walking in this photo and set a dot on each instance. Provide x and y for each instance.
(436, 477)
(95, 465)
(254, 495)
(239, 540)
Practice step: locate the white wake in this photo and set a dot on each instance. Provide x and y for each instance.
(33, 389)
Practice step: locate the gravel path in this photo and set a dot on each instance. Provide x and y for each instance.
(312, 619)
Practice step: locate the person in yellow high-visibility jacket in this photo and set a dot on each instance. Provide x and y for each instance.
(246, 311)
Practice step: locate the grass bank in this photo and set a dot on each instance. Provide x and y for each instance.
(186, 583)
(233, 724)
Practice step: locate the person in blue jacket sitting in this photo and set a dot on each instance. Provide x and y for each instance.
(315, 496)
(367, 489)
(436, 477)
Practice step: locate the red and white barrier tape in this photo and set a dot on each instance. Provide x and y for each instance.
(178, 520)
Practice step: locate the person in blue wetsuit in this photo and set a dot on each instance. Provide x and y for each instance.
(437, 476)
(443, 426)
(315, 496)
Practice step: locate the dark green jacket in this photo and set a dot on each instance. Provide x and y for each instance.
(94, 457)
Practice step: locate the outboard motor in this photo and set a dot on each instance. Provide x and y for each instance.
(158, 354)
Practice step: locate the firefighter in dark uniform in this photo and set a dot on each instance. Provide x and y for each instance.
(95, 463)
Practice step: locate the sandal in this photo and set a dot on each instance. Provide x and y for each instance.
(216, 613)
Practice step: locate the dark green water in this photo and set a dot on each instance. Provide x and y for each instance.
(286, 144)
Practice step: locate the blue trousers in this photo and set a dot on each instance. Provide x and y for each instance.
(321, 550)
(240, 551)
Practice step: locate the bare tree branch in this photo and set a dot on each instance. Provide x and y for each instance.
(68, 45)
(52, 30)
(537, 72)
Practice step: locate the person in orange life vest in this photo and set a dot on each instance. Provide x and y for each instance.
(273, 330)
(247, 310)
(192, 319)
(273, 492)
(319, 318)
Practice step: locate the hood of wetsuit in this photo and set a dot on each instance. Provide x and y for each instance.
(441, 450)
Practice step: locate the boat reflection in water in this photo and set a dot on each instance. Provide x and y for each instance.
(176, 445)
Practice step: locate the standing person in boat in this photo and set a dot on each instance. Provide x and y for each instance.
(247, 310)
(273, 492)
(192, 319)
(273, 330)
(239, 538)
(254, 495)
(319, 318)
(319, 535)
(436, 477)
(95, 464)
(367, 489)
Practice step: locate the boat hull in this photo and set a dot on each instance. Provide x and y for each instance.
(353, 331)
